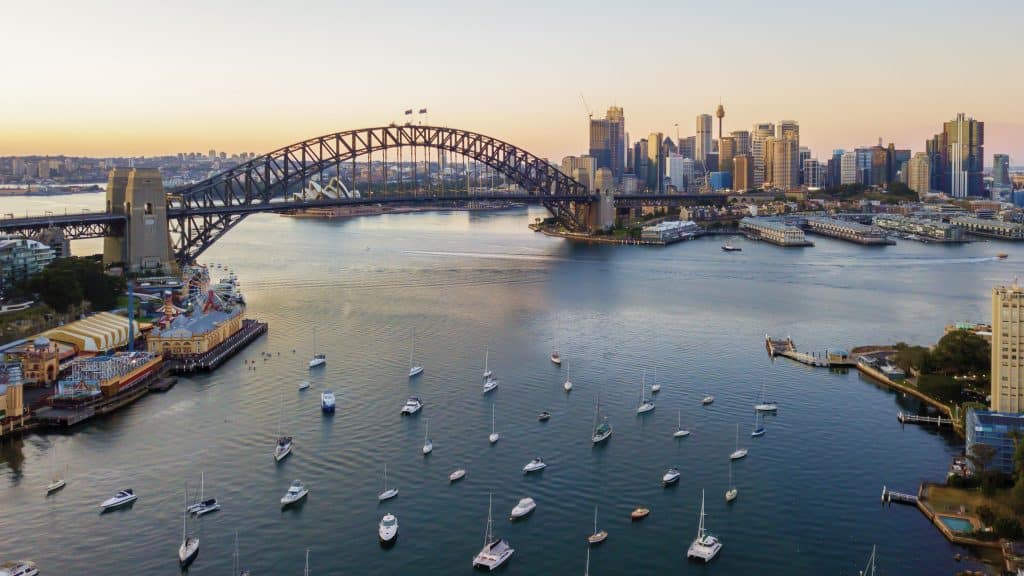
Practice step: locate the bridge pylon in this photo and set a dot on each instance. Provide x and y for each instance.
(145, 247)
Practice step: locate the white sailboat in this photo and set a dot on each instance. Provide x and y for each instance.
(680, 432)
(494, 435)
(599, 535)
(732, 492)
(428, 446)
(655, 387)
(603, 430)
(706, 546)
(189, 544)
(56, 481)
(646, 405)
(495, 552)
(567, 385)
(739, 452)
(318, 359)
(414, 369)
(306, 571)
(204, 505)
(284, 443)
(869, 570)
(487, 371)
(764, 405)
(388, 493)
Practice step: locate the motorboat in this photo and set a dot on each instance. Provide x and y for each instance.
(327, 402)
(534, 465)
(680, 432)
(495, 551)
(487, 371)
(556, 358)
(296, 492)
(671, 476)
(122, 498)
(728, 247)
(457, 475)
(428, 446)
(544, 416)
(388, 493)
(54, 485)
(567, 385)
(490, 384)
(639, 513)
(189, 547)
(705, 546)
(494, 435)
(707, 400)
(304, 385)
(599, 535)
(387, 530)
(523, 508)
(412, 406)
(1002, 255)
(19, 568)
(739, 452)
(414, 369)
(283, 448)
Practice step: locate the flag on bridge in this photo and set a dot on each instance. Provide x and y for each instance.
(408, 112)
(423, 110)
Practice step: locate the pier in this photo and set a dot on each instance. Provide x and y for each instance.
(787, 349)
(251, 330)
(890, 496)
(914, 419)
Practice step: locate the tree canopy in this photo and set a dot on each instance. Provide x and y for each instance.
(66, 282)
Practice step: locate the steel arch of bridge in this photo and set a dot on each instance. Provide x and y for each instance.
(200, 213)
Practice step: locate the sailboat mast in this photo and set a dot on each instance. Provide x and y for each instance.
(412, 347)
(184, 517)
(700, 526)
(492, 418)
(306, 572)
(487, 533)
(586, 572)
(595, 519)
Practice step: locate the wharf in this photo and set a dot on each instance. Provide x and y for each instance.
(890, 496)
(68, 415)
(251, 330)
(914, 419)
(163, 384)
(878, 376)
(787, 349)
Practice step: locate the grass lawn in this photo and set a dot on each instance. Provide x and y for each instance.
(947, 500)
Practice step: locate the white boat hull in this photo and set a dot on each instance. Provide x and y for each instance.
(567, 386)
(188, 551)
(681, 433)
(317, 362)
(415, 371)
(490, 385)
(742, 453)
(493, 438)
(428, 448)
(55, 485)
(387, 494)
(769, 407)
(456, 476)
(289, 499)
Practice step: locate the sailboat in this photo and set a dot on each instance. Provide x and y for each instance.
(646, 405)
(732, 492)
(495, 552)
(428, 446)
(56, 482)
(318, 359)
(599, 535)
(568, 378)
(586, 571)
(306, 571)
(705, 546)
(739, 452)
(759, 428)
(284, 443)
(601, 431)
(869, 570)
(414, 370)
(494, 435)
(236, 570)
(189, 544)
(487, 371)
(764, 405)
(388, 493)
(680, 432)
(655, 387)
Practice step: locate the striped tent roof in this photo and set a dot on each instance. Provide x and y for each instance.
(97, 333)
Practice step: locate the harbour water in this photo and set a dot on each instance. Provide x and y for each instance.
(808, 491)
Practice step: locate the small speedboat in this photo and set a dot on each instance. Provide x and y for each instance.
(296, 492)
(490, 384)
(122, 498)
(412, 406)
(671, 476)
(544, 416)
(327, 401)
(523, 508)
(707, 400)
(534, 465)
(457, 475)
(556, 358)
(304, 385)
(317, 360)
(387, 530)
(205, 507)
(19, 568)
(283, 448)
(53, 486)
(639, 513)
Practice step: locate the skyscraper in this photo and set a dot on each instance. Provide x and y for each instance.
(786, 163)
(960, 153)
(788, 129)
(758, 135)
(742, 172)
(655, 163)
(848, 168)
(640, 161)
(805, 154)
(726, 152)
(879, 166)
(863, 165)
(703, 138)
(1007, 374)
(686, 147)
(1001, 170)
(918, 171)
(742, 138)
(813, 173)
(608, 140)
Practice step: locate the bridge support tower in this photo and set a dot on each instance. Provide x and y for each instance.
(145, 247)
(600, 214)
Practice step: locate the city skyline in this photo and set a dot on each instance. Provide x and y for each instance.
(221, 92)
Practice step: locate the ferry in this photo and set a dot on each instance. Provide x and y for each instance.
(728, 247)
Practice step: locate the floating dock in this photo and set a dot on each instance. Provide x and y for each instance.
(914, 419)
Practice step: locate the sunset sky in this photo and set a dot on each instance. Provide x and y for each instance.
(110, 77)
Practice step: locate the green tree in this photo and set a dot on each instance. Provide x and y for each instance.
(914, 358)
(1008, 527)
(986, 515)
(961, 352)
(59, 289)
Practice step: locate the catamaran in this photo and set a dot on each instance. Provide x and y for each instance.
(705, 546)
(189, 544)
(388, 493)
(599, 535)
(319, 359)
(495, 552)
(414, 369)
(494, 435)
(603, 430)
(739, 452)
(204, 505)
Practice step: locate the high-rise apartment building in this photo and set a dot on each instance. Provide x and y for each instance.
(687, 147)
(805, 154)
(758, 136)
(1001, 170)
(863, 165)
(1007, 348)
(879, 166)
(848, 168)
(918, 173)
(788, 130)
(958, 157)
(703, 138)
(742, 138)
(608, 140)
(726, 152)
(742, 172)
(655, 162)
(679, 172)
(640, 167)
(786, 163)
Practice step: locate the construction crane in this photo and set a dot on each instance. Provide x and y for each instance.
(590, 115)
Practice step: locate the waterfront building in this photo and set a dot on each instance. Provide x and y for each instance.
(703, 138)
(958, 157)
(671, 231)
(758, 138)
(1007, 373)
(924, 229)
(96, 334)
(918, 173)
(773, 230)
(655, 163)
(12, 401)
(990, 228)
(785, 164)
(40, 360)
(742, 176)
(20, 258)
(848, 230)
(209, 316)
(105, 376)
(999, 430)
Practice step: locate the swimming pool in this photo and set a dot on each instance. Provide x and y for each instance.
(957, 524)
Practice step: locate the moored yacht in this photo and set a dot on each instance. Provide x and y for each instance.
(295, 493)
(388, 493)
(122, 498)
(414, 369)
(599, 535)
(603, 430)
(490, 384)
(457, 475)
(387, 530)
(523, 508)
(728, 247)
(705, 546)
(283, 448)
(495, 552)
(19, 568)
(412, 406)
(534, 465)
(739, 452)
(556, 357)
(189, 544)
(707, 400)
(327, 401)
(428, 445)
(680, 431)
(671, 476)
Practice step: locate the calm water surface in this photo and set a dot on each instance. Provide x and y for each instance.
(809, 490)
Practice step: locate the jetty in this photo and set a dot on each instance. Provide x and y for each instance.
(915, 419)
(787, 349)
(890, 496)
